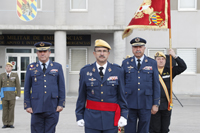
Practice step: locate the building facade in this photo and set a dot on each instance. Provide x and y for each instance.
(72, 26)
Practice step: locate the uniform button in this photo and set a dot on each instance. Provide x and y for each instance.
(101, 84)
(45, 81)
(126, 92)
(102, 100)
(32, 97)
(7, 81)
(44, 75)
(45, 86)
(45, 92)
(102, 92)
(129, 72)
(139, 77)
(139, 89)
(148, 72)
(139, 83)
(7, 84)
(91, 85)
(138, 71)
(112, 84)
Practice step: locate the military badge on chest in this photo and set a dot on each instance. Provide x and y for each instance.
(35, 72)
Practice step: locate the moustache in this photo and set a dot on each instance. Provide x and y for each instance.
(138, 51)
(101, 56)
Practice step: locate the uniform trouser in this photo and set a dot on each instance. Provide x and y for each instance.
(160, 122)
(44, 122)
(142, 116)
(8, 111)
(89, 130)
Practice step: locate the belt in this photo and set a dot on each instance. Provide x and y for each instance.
(103, 106)
(6, 89)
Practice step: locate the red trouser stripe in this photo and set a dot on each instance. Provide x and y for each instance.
(102, 106)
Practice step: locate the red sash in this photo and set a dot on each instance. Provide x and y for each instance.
(103, 106)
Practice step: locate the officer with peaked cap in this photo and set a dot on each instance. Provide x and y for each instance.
(161, 120)
(10, 91)
(44, 91)
(141, 87)
(101, 89)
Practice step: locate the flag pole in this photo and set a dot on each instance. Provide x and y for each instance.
(170, 47)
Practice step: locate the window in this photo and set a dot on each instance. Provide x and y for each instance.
(39, 5)
(78, 5)
(187, 5)
(10, 50)
(152, 52)
(189, 56)
(78, 58)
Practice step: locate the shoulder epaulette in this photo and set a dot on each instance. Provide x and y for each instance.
(86, 65)
(115, 65)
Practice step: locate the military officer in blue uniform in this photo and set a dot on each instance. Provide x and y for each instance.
(44, 91)
(101, 106)
(142, 89)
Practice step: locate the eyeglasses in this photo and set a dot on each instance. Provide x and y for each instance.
(101, 51)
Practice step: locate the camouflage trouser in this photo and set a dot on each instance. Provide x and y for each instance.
(121, 130)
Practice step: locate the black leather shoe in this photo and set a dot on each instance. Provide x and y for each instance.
(4, 126)
(11, 126)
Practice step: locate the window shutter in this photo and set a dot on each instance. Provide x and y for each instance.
(78, 59)
(189, 56)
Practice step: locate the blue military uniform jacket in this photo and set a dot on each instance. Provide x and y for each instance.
(43, 92)
(142, 87)
(110, 89)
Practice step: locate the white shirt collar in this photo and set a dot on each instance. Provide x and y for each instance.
(8, 73)
(47, 63)
(141, 60)
(104, 67)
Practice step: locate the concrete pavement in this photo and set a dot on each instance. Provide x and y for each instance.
(184, 119)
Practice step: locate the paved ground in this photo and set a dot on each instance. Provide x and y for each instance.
(184, 119)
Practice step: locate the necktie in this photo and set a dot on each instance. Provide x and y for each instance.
(101, 72)
(8, 76)
(44, 68)
(138, 64)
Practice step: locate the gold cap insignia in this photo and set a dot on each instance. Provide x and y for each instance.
(137, 39)
(41, 44)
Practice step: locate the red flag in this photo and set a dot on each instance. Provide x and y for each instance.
(152, 14)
